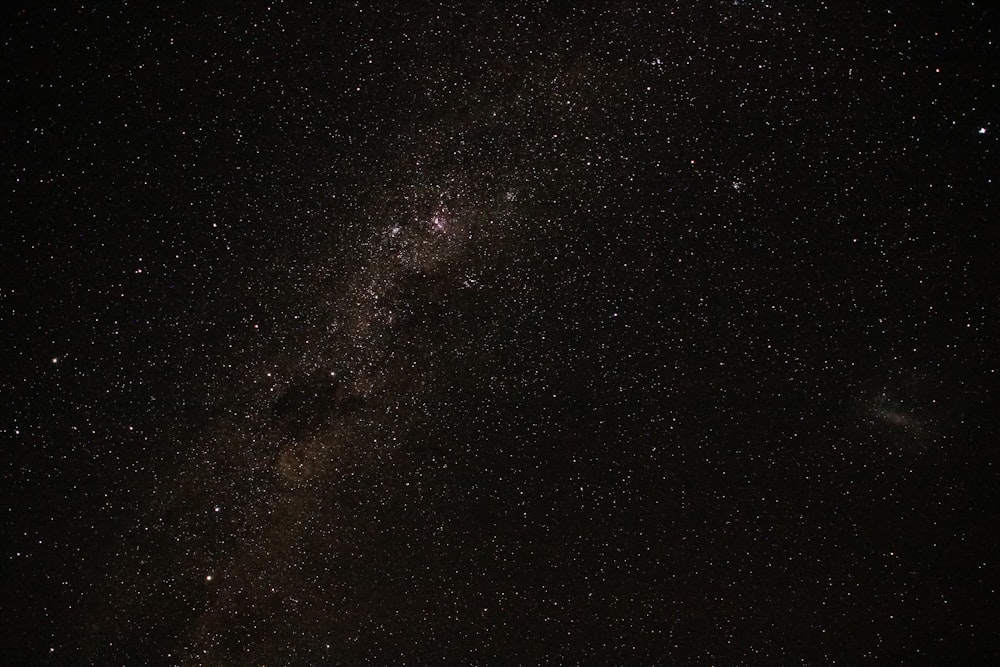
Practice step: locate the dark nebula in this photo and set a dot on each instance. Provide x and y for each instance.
(500, 333)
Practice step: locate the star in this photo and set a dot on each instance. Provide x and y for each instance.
(505, 323)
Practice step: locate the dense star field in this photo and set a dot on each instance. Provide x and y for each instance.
(499, 333)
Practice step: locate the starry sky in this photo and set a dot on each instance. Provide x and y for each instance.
(483, 332)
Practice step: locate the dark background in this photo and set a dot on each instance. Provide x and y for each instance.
(482, 332)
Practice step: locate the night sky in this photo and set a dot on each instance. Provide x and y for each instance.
(499, 333)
